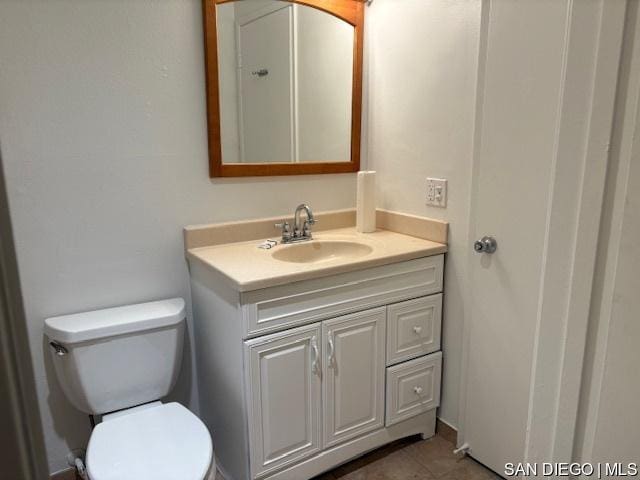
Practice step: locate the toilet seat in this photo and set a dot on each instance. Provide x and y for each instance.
(154, 442)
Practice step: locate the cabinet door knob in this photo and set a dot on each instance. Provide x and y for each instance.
(418, 390)
(417, 329)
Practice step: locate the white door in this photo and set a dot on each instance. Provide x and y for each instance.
(353, 374)
(284, 397)
(265, 43)
(522, 338)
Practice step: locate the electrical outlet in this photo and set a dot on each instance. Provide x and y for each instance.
(437, 192)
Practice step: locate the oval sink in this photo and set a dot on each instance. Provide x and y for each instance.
(316, 251)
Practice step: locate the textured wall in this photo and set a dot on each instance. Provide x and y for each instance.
(423, 60)
(102, 123)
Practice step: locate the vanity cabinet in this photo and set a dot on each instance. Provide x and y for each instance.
(298, 378)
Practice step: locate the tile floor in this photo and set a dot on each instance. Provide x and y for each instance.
(411, 459)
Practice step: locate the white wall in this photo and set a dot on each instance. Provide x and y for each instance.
(422, 69)
(102, 123)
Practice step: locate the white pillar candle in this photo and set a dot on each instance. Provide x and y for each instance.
(366, 202)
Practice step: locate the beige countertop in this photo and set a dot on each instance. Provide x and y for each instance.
(246, 267)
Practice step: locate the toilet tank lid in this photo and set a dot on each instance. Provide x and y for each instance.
(108, 322)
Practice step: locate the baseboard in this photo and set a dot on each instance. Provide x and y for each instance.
(67, 474)
(221, 473)
(446, 431)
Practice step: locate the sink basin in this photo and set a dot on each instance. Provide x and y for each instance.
(317, 251)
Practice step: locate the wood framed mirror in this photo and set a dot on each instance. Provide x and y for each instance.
(284, 86)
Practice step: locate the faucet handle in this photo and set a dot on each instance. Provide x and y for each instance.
(306, 229)
(286, 229)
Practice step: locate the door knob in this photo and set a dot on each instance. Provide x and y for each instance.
(485, 245)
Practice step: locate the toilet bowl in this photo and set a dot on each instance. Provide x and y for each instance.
(154, 441)
(119, 362)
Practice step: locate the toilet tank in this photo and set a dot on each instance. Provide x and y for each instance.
(115, 358)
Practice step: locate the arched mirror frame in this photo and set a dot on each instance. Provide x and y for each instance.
(351, 11)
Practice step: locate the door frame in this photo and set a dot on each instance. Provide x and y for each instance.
(625, 147)
(23, 452)
(550, 436)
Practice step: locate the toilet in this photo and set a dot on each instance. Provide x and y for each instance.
(118, 363)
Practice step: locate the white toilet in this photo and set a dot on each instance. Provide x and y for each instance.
(119, 362)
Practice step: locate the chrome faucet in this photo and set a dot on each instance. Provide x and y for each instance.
(301, 231)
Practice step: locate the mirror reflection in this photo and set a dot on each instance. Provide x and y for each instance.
(285, 80)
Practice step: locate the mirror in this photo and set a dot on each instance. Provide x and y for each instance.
(283, 86)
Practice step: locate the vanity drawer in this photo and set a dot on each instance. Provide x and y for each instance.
(276, 308)
(413, 328)
(413, 387)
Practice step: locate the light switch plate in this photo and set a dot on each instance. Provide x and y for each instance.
(437, 192)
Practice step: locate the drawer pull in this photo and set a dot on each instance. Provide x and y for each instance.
(418, 390)
(315, 366)
(331, 361)
(417, 330)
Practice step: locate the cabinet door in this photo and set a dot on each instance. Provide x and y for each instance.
(353, 374)
(284, 397)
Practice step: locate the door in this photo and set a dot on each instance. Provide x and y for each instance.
(23, 452)
(284, 397)
(353, 374)
(265, 44)
(537, 179)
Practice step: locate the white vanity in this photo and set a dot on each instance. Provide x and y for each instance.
(304, 365)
